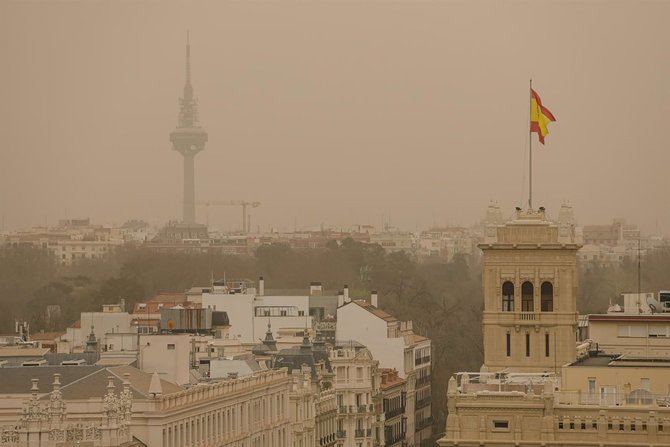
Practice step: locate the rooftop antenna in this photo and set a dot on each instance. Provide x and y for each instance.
(639, 268)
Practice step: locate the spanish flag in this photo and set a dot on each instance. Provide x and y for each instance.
(540, 116)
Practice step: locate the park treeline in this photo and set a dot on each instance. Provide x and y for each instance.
(444, 299)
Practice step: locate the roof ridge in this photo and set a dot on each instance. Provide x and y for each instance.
(79, 379)
(121, 378)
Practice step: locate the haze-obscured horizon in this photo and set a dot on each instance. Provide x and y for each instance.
(335, 112)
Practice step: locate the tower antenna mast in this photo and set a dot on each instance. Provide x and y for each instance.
(530, 146)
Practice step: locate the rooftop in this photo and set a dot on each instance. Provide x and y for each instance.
(375, 310)
(615, 360)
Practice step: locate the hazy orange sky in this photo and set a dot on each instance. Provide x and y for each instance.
(335, 112)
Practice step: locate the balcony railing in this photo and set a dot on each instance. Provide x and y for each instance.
(327, 440)
(363, 432)
(391, 438)
(395, 412)
(421, 360)
(341, 434)
(420, 403)
(422, 381)
(527, 316)
(365, 408)
(423, 423)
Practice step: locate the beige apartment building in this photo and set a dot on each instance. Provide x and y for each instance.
(536, 387)
(357, 388)
(394, 400)
(642, 335)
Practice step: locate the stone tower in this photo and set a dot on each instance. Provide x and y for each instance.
(188, 139)
(530, 283)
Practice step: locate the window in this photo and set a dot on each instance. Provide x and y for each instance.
(592, 385)
(508, 338)
(645, 383)
(632, 330)
(170, 346)
(301, 313)
(656, 331)
(527, 304)
(500, 425)
(547, 297)
(507, 296)
(546, 345)
(527, 344)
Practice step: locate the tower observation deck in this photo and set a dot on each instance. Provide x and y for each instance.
(188, 139)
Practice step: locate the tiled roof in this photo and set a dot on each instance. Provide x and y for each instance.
(94, 385)
(168, 297)
(12, 351)
(416, 338)
(45, 336)
(17, 380)
(375, 311)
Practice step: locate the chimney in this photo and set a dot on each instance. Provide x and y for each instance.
(340, 298)
(346, 294)
(261, 286)
(374, 298)
(315, 289)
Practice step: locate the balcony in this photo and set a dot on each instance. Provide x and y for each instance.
(395, 412)
(360, 432)
(421, 360)
(420, 403)
(392, 439)
(341, 434)
(426, 422)
(421, 381)
(527, 316)
(327, 440)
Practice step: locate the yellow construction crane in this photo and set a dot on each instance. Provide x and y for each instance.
(242, 203)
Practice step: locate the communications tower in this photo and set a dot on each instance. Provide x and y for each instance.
(188, 139)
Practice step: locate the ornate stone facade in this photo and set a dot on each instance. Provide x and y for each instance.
(46, 424)
(530, 282)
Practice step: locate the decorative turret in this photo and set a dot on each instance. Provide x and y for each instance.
(91, 342)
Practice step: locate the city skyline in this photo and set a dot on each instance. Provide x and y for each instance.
(320, 126)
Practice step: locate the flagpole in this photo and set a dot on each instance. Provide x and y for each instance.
(530, 147)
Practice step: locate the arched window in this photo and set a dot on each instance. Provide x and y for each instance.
(547, 297)
(527, 304)
(508, 296)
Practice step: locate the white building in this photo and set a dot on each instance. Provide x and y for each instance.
(395, 345)
(112, 329)
(249, 309)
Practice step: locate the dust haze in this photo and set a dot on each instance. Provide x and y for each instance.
(334, 113)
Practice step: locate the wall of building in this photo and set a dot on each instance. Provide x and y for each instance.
(168, 355)
(356, 323)
(645, 338)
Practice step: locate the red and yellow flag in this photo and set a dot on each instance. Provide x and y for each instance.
(540, 116)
